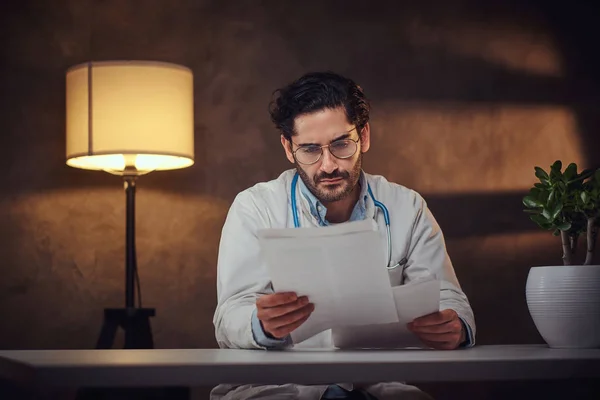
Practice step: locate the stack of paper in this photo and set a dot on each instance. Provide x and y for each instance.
(342, 271)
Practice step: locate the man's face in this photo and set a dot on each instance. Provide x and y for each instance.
(330, 179)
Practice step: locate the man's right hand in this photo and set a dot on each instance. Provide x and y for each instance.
(281, 313)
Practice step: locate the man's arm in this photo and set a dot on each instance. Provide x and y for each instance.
(427, 252)
(249, 314)
(241, 276)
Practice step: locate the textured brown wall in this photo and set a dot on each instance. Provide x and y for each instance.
(467, 97)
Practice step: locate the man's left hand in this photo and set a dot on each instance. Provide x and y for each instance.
(442, 330)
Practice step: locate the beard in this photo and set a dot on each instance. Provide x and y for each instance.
(332, 192)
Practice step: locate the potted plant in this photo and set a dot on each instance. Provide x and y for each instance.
(564, 301)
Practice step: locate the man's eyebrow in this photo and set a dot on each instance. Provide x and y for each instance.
(341, 137)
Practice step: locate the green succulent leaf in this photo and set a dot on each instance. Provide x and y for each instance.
(556, 211)
(541, 174)
(557, 166)
(540, 220)
(586, 174)
(551, 196)
(555, 170)
(531, 202)
(570, 171)
(564, 226)
(547, 214)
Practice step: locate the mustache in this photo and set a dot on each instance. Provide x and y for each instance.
(333, 175)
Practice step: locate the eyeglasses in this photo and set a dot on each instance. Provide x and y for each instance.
(312, 153)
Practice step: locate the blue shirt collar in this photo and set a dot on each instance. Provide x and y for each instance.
(319, 211)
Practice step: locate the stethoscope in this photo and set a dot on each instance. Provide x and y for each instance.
(380, 205)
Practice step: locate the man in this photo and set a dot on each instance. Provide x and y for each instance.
(323, 119)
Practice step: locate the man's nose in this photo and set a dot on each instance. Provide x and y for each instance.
(328, 164)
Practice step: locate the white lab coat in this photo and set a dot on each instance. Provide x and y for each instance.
(242, 276)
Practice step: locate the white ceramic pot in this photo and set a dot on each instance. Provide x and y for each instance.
(564, 302)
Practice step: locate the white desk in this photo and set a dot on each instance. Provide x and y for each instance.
(203, 367)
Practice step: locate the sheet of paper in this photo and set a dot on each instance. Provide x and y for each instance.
(340, 268)
(413, 300)
(417, 298)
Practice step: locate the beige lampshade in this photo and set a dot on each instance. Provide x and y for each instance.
(125, 114)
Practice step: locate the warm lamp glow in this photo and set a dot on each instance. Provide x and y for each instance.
(133, 115)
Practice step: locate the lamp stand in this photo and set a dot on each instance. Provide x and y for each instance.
(135, 321)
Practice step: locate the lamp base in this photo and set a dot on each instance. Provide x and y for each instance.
(134, 321)
(138, 335)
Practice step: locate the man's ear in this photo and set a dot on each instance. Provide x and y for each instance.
(287, 146)
(365, 138)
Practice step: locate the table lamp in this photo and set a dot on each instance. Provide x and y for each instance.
(129, 118)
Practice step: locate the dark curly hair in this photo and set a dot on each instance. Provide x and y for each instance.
(317, 91)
